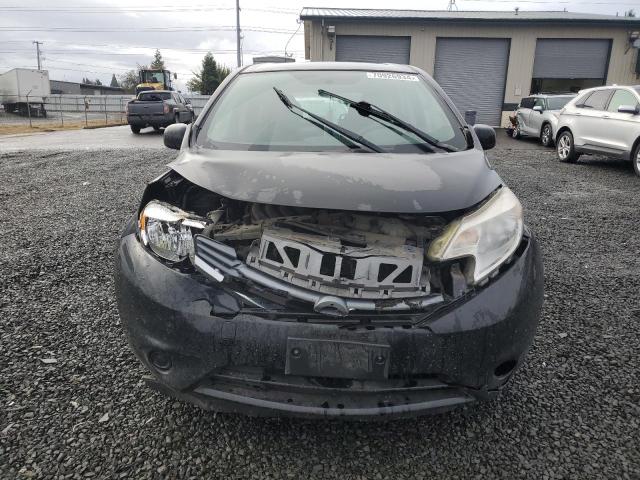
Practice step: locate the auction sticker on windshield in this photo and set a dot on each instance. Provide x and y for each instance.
(393, 76)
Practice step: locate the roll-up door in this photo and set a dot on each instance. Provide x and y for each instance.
(473, 71)
(375, 49)
(571, 58)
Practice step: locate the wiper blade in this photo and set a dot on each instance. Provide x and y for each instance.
(366, 108)
(340, 133)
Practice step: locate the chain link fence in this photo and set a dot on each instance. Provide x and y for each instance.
(70, 111)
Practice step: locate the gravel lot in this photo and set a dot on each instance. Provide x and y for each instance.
(72, 404)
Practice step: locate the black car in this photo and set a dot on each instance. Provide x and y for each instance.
(331, 241)
(158, 109)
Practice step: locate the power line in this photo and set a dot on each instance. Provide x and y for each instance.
(117, 45)
(185, 51)
(145, 10)
(5, 28)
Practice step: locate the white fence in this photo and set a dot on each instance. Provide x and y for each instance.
(105, 103)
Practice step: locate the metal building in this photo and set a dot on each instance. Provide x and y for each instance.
(485, 61)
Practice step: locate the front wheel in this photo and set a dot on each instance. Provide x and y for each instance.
(636, 159)
(134, 129)
(516, 132)
(566, 149)
(546, 137)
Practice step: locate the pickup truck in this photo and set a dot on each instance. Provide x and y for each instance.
(158, 109)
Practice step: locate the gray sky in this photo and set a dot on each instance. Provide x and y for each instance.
(95, 38)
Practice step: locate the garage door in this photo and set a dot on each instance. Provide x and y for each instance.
(473, 72)
(365, 48)
(571, 58)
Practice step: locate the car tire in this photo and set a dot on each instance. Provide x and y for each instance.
(546, 136)
(516, 132)
(134, 129)
(635, 158)
(565, 148)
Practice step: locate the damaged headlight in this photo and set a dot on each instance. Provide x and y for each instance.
(489, 235)
(168, 231)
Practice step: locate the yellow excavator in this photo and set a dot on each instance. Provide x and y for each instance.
(154, 79)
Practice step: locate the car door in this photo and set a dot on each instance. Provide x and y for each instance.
(178, 107)
(526, 104)
(535, 118)
(588, 126)
(622, 129)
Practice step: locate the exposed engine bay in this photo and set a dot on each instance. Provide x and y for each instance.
(339, 261)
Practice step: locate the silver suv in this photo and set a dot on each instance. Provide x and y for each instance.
(604, 121)
(537, 116)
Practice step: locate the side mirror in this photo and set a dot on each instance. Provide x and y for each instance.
(486, 135)
(537, 108)
(174, 134)
(629, 109)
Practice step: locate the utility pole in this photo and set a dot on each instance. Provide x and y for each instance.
(238, 32)
(37, 43)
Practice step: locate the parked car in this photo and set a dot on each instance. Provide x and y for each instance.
(537, 116)
(158, 109)
(324, 247)
(604, 121)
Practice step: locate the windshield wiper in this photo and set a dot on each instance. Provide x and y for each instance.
(366, 109)
(340, 133)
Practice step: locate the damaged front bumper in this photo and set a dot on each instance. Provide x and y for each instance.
(204, 346)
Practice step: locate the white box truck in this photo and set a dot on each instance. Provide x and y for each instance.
(22, 89)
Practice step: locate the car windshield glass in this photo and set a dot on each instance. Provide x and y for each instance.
(154, 97)
(250, 116)
(556, 103)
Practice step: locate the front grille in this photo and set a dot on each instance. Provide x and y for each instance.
(327, 265)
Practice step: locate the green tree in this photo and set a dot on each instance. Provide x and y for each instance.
(97, 82)
(209, 77)
(630, 13)
(158, 61)
(114, 81)
(129, 80)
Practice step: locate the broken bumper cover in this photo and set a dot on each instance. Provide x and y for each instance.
(218, 261)
(191, 334)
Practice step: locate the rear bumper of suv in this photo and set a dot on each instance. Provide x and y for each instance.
(184, 330)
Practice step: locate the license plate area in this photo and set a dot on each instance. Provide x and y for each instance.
(337, 359)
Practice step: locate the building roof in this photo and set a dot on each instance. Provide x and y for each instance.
(310, 13)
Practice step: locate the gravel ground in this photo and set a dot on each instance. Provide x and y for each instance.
(72, 404)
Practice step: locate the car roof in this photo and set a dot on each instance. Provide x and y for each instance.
(319, 66)
(551, 95)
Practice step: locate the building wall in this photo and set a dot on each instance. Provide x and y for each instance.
(521, 56)
(98, 90)
(60, 86)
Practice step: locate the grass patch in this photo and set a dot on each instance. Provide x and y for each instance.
(14, 128)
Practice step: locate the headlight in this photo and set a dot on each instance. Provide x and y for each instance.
(489, 235)
(167, 230)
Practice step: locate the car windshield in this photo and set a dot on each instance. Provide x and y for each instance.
(556, 103)
(250, 116)
(154, 97)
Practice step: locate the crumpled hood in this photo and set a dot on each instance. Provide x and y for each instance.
(378, 182)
